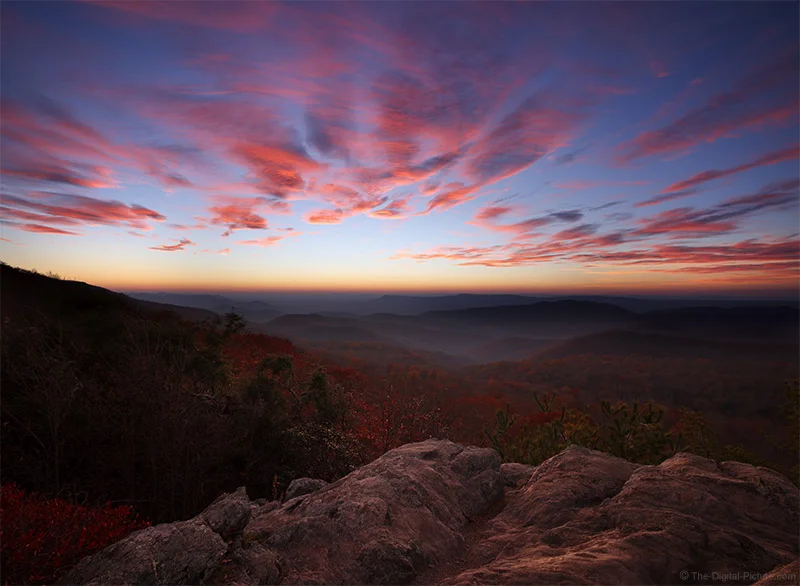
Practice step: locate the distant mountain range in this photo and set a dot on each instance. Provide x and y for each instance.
(258, 307)
(410, 304)
(509, 330)
(252, 311)
(512, 332)
(515, 328)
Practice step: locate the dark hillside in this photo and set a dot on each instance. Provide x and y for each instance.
(187, 313)
(106, 398)
(28, 294)
(746, 322)
(654, 344)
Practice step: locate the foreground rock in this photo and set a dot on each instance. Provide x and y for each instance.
(385, 522)
(589, 518)
(382, 524)
(788, 575)
(301, 486)
(176, 553)
(515, 475)
(423, 513)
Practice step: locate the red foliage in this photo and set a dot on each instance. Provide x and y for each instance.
(40, 539)
(245, 351)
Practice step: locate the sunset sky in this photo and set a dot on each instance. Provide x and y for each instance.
(410, 146)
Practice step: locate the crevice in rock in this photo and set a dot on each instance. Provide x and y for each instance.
(473, 533)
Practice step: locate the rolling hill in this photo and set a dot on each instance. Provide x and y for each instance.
(30, 294)
(658, 344)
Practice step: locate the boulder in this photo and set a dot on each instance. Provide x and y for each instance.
(301, 486)
(385, 522)
(516, 475)
(187, 552)
(229, 513)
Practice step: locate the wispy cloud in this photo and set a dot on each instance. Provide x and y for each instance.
(760, 98)
(397, 209)
(74, 210)
(723, 217)
(541, 125)
(269, 240)
(40, 229)
(238, 213)
(451, 195)
(488, 217)
(45, 142)
(773, 158)
(665, 197)
(180, 245)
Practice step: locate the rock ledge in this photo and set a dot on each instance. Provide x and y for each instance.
(581, 517)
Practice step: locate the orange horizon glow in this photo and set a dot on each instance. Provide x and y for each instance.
(646, 285)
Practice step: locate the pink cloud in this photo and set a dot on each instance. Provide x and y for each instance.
(277, 170)
(665, 197)
(487, 218)
(269, 240)
(773, 158)
(580, 184)
(238, 213)
(721, 218)
(658, 69)
(181, 245)
(769, 257)
(492, 212)
(747, 106)
(686, 222)
(396, 210)
(451, 195)
(541, 125)
(46, 230)
(61, 208)
(334, 216)
(52, 145)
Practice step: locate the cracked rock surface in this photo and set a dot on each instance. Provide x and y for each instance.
(439, 512)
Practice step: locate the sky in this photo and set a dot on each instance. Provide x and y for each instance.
(639, 147)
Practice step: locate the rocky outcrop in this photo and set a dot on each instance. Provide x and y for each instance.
(515, 475)
(438, 512)
(301, 486)
(188, 552)
(586, 517)
(228, 514)
(385, 522)
(788, 575)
